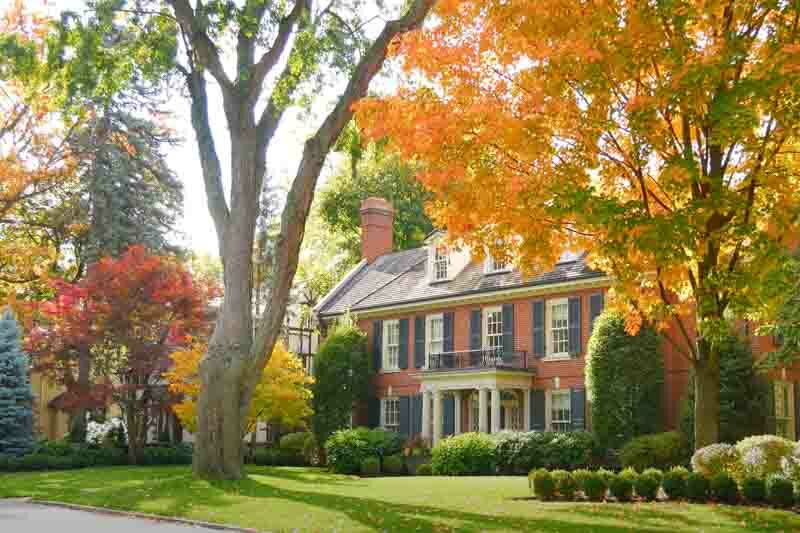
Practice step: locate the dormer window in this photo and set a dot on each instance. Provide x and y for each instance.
(496, 265)
(440, 263)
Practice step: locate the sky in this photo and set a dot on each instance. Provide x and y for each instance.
(196, 230)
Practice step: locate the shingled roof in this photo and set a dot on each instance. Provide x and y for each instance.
(401, 278)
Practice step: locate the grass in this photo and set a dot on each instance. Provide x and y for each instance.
(305, 499)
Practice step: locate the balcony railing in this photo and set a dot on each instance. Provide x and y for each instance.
(471, 359)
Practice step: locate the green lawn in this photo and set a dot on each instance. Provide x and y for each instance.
(304, 499)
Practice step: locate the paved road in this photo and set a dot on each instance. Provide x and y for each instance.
(22, 517)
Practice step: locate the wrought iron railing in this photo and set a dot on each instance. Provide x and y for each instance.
(484, 358)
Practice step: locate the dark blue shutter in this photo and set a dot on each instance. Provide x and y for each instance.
(537, 316)
(405, 416)
(374, 412)
(447, 334)
(419, 342)
(416, 414)
(403, 345)
(596, 303)
(537, 410)
(577, 408)
(448, 415)
(475, 333)
(502, 417)
(377, 344)
(508, 333)
(575, 326)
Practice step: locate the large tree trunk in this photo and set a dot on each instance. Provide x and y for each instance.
(77, 425)
(706, 395)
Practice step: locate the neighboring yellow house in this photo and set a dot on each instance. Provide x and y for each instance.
(51, 423)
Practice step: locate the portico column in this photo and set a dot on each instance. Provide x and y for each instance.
(483, 410)
(437, 416)
(427, 397)
(495, 410)
(457, 415)
(526, 411)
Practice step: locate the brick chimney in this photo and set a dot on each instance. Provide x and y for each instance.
(377, 219)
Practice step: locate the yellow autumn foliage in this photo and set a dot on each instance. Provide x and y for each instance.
(282, 396)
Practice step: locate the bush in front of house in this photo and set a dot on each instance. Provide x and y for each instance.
(780, 491)
(424, 470)
(520, 452)
(754, 490)
(625, 378)
(347, 448)
(606, 474)
(544, 486)
(580, 476)
(167, 455)
(621, 485)
(370, 466)
(697, 487)
(468, 454)
(647, 483)
(594, 487)
(724, 488)
(298, 448)
(565, 484)
(674, 482)
(659, 450)
(715, 459)
(394, 465)
(762, 456)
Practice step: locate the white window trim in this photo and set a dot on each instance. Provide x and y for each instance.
(549, 355)
(548, 406)
(429, 336)
(485, 323)
(446, 251)
(385, 347)
(489, 267)
(383, 413)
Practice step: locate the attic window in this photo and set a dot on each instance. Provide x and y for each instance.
(496, 265)
(440, 263)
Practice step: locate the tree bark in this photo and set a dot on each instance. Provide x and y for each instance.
(706, 394)
(77, 429)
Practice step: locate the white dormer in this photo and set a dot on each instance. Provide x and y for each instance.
(444, 261)
(495, 266)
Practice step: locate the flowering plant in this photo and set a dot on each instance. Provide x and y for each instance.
(98, 433)
(715, 459)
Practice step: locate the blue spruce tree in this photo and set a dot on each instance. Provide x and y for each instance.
(16, 396)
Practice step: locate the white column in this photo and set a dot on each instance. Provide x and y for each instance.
(526, 410)
(426, 415)
(457, 415)
(495, 410)
(437, 416)
(483, 410)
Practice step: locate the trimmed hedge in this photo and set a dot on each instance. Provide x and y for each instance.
(298, 448)
(674, 483)
(594, 487)
(468, 454)
(660, 450)
(66, 456)
(621, 486)
(565, 484)
(347, 448)
(544, 486)
(424, 470)
(647, 484)
(724, 488)
(370, 466)
(697, 487)
(520, 452)
(394, 464)
(780, 491)
(754, 490)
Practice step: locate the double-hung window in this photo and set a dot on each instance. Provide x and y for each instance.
(390, 414)
(560, 415)
(558, 327)
(391, 345)
(784, 413)
(493, 332)
(440, 263)
(496, 265)
(435, 335)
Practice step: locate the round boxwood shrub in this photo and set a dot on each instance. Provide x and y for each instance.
(370, 466)
(754, 490)
(594, 487)
(565, 484)
(780, 491)
(580, 476)
(715, 459)
(697, 487)
(656, 473)
(674, 482)
(544, 486)
(424, 470)
(468, 454)
(660, 450)
(762, 455)
(623, 371)
(345, 450)
(606, 474)
(394, 465)
(724, 488)
(647, 484)
(621, 487)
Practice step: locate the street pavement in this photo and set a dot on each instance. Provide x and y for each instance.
(19, 516)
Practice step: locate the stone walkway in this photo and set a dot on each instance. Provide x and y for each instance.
(18, 516)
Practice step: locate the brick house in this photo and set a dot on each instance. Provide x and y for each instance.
(465, 345)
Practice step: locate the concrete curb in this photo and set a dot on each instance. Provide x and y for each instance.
(143, 516)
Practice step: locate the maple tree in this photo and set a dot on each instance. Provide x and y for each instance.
(108, 337)
(282, 395)
(660, 137)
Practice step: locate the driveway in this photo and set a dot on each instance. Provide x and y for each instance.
(17, 516)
